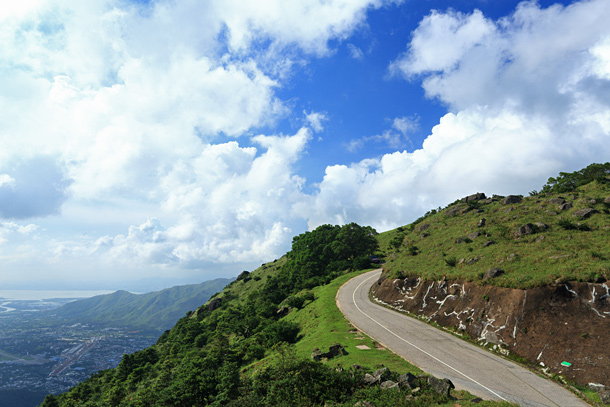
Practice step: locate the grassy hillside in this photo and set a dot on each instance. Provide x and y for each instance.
(251, 344)
(156, 311)
(464, 240)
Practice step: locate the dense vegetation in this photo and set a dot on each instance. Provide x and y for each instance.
(199, 361)
(569, 181)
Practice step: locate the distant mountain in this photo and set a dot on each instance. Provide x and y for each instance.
(155, 311)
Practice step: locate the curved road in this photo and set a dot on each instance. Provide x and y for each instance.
(443, 355)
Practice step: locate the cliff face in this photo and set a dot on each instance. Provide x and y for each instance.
(547, 325)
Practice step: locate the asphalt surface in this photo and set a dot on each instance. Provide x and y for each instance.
(443, 355)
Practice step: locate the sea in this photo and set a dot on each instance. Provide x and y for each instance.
(38, 300)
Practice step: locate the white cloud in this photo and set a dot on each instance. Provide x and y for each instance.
(529, 98)
(315, 120)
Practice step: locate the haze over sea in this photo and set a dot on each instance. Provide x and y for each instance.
(35, 295)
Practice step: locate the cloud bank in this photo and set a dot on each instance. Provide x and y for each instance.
(152, 113)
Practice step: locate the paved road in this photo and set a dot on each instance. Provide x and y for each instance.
(443, 355)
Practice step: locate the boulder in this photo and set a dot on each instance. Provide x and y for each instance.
(388, 384)
(541, 226)
(455, 210)
(382, 374)
(557, 201)
(423, 226)
(481, 222)
(512, 199)
(364, 403)
(473, 235)
(214, 304)
(585, 213)
(565, 206)
(407, 381)
(316, 355)
(527, 229)
(475, 197)
(493, 273)
(441, 386)
(488, 243)
(607, 200)
(369, 380)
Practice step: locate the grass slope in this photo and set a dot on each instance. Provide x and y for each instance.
(563, 247)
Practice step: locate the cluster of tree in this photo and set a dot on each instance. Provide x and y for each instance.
(198, 361)
(569, 181)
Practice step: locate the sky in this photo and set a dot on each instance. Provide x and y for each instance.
(154, 143)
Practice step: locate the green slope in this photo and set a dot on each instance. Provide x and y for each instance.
(155, 311)
(558, 245)
(250, 345)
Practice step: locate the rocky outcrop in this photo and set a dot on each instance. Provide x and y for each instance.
(566, 322)
(512, 199)
(585, 213)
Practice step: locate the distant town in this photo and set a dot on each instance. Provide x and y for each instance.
(36, 357)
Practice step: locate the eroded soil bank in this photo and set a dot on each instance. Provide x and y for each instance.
(547, 325)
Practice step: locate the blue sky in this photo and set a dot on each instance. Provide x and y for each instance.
(147, 144)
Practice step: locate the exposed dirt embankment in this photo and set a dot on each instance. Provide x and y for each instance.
(546, 325)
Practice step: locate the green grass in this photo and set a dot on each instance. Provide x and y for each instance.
(549, 255)
(322, 324)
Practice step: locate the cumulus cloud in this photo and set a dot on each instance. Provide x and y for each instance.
(528, 96)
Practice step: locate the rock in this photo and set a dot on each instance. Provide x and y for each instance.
(565, 206)
(512, 257)
(541, 226)
(527, 229)
(441, 386)
(423, 226)
(511, 199)
(455, 210)
(475, 197)
(539, 239)
(473, 235)
(459, 240)
(607, 200)
(382, 374)
(244, 275)
(492, 337)
(357, 367)
(408, 381)
(481, 222)
(585, 213)
(369, 380)
(473, 260)
(604, 396)
(557, 201)
(592, 201)
(488, 243)
(214, 304)
(388, 384)
(424, 235)
(493, 273)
